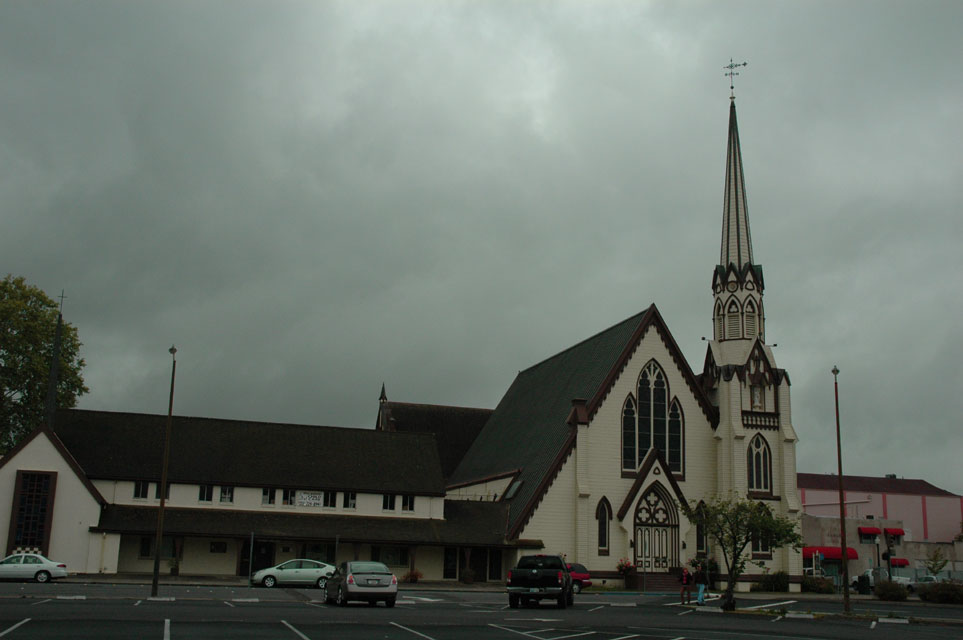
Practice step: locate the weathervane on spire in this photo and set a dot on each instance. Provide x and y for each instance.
(732, 66)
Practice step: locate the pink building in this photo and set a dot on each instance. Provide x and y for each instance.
(928, 513)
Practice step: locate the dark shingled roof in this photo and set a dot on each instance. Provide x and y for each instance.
(455, 428)
(465, 523)
(869, 484)
(528, 430)
(129, 446)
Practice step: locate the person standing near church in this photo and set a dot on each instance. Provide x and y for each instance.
(702, 581)
(685, 594)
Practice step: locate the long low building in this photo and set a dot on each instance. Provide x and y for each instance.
(87, 493)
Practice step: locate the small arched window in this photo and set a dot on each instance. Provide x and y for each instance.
(718, 322)
(628, 434)
(751, 325)
(759, 465)
(733, 326)
(603, 513)
(674, 454)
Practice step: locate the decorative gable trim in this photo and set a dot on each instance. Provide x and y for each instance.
(651, 459)
(652, 317)
(64, 453)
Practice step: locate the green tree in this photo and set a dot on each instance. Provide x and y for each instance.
(28, 323)
(733, 523)
(935, 561)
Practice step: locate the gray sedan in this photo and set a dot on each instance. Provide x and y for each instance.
(304, 572)
(31, 566)
(366, 581)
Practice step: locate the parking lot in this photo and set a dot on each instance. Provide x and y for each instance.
(73, 610)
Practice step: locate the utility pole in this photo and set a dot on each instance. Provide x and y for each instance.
(843, 550)
(163, 483)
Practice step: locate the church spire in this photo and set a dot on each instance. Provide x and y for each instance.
(736, 241)
(737, 281)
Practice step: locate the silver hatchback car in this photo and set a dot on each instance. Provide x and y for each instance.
(365, 581)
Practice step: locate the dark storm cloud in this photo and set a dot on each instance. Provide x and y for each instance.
(312, 198)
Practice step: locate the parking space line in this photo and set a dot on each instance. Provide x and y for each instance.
(601, 606)
(300, 635)
(575, 635)
(772, 604)
(634, 635)
(411, 631)
(228, 604)
(167, 629)
(41, 602)
(686, 612)
(71, 597)
(778, 619)
(19, 624)
(872, 626)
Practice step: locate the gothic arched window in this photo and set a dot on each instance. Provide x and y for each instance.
(603, 513)
(650, 423)
(759, 465)
(751, 326)
(718, 318)
(733, 326)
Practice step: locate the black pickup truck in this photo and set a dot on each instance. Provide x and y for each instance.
(540, 578)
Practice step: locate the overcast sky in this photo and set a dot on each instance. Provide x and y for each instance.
(312, 198)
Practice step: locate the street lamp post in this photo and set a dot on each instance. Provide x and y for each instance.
(844, 552)
(163, 482)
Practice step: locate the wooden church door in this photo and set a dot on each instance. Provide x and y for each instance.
(656, 532)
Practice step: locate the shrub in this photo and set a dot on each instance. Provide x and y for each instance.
(412, 576)
(942, 593)
(778, 581)
(890, 591)
(817, 585)
(624, 567)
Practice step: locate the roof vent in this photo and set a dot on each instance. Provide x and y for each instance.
(891, 476)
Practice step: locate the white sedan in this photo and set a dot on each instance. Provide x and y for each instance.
(305, 572)
(31, 566)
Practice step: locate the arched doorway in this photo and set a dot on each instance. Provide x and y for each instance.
(656, 531)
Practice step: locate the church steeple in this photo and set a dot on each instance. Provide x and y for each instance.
(737, 282)
(736, 241)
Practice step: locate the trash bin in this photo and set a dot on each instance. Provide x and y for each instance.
(862, 585)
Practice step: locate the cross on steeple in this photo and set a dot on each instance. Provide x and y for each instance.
(732, 66)
(62, 297)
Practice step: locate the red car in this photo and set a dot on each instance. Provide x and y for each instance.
(580, 577)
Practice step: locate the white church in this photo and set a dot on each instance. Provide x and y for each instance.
(589, 453)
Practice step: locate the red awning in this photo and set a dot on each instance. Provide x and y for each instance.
(899, 562)
(868, 531)
(830, 553)
(894, 531)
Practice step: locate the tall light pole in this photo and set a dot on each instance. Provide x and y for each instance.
(162, 489)
(843, 550)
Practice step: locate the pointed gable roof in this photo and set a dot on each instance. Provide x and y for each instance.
(736, 241)
(653, 465)
(68, 457)
(529, 430)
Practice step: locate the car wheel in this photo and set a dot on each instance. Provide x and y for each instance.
(390, 602)
(322, 581)
(341, 600)
(513, 601)
(561, 601)
(577, 587)
(42, 576)
(269, 581)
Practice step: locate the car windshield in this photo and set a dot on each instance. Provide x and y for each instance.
(367, 567)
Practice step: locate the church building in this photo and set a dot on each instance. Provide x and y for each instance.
(588, 454)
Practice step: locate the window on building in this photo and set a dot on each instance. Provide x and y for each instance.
(388, 502)
(719, 322)
(761, 546)
(141, 487)
(288, 496)
(205, 493)
(751, 329)
(648, 422)
(759, 465)
(407, 503)
(350, 500)
(33, 501)
(450, 566)
(733, 328)
(227, 494)
(391, 556)
(603, 513)
(329, 499)
(167, 493)
(267, 495)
